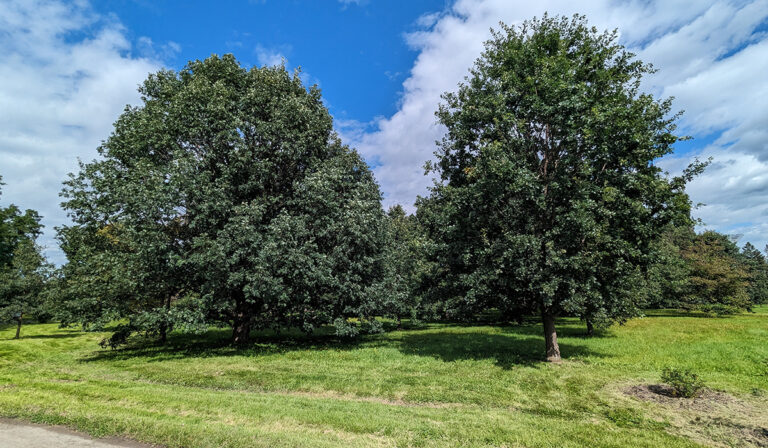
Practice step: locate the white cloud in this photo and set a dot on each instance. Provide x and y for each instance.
(67, 74)
(709, 57)
(270, 57)
(734, 191)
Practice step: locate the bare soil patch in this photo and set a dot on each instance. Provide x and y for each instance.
(713, 417)
(660, 393)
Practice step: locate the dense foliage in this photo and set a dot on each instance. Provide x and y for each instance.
(406, 266)
(23, 269)
(225, 198)
(705, 272)
(15, 227)
(756, 266)
(718, 280)
(549, 200)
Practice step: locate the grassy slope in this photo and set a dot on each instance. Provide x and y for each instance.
(433, 386)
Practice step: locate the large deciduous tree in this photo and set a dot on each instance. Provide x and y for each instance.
(229, 187)
(548, 198)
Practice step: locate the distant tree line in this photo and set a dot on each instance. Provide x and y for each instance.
(705, 272)
(226, 198)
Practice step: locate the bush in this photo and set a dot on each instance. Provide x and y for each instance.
(683, 382)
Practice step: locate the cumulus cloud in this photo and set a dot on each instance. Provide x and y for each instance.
(712, 56)
(67, 74)
(733, 193)
(268, 56)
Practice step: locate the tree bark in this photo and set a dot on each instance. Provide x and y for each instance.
(163, 333)
(164, 327)
(18, 327)
(590, 328)
(241, 325)
(550, 337)
(241, 330)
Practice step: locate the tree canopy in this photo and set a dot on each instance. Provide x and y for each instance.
(548, 198)
(226, 197)
(16, 227)
(23, 269)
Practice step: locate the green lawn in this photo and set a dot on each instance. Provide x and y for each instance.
(436, 385)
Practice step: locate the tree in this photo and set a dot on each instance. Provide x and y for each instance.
(406, 265)
(22, 284)
(757, 267)
(668, 278)
(15, 227)
(22, 265)
(226, 197)
(548, 198)
(719, 280)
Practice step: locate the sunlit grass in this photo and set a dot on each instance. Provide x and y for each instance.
(434, 385)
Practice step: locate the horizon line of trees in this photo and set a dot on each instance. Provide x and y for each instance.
(226, 198)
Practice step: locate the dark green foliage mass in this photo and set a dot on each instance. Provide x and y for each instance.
(22, 284)
(668, 277)
(226, 198)
(548, 199)
(23, 269)
(15, 227)
(705, 272)
(406, 266)
(757, 267)
(719, 279)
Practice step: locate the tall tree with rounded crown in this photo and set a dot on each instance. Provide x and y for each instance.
(228, 186)
(548, 197)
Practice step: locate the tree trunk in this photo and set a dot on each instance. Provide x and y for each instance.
(550, 337)
(18, 327)
(164, 327)
(241, 325)
(163, 333)
(241, 330)
(590, 328)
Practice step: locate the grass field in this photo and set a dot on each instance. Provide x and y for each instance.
(434, 385)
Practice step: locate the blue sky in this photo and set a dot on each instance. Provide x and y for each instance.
(69, 67)
(355, 51)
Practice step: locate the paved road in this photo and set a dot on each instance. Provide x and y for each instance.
(15, 434)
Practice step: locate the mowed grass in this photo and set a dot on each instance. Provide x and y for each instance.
(433, 385)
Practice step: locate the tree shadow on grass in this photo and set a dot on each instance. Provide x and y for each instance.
(218, 343)
(686, 313)
(515, 346)
(51, 336)
(567, 328)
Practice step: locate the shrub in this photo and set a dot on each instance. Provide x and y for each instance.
(683, 382)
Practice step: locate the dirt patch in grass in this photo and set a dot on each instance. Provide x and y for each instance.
(713, 417)
(706, 400)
